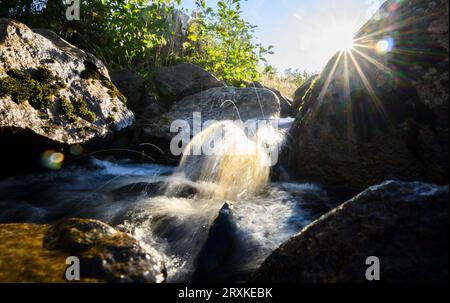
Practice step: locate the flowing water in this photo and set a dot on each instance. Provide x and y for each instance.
(177, 209)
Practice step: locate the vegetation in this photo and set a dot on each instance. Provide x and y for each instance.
(137, 33)
(113, 91)
(39, 88)
(83, 111)
(221, 42)
(288, 83)
(67, 109)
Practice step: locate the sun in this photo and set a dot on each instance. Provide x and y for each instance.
(341, 36)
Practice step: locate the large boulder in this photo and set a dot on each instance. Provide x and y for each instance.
(106, 253)
(176, 82)
(52, 96)
(389, 117)
(37, 253)
(301, 93)
(228, 103)
(132, 86)
(55, 89)
(219, 250)
(405, 225)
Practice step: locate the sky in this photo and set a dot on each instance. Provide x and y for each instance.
(305, 33)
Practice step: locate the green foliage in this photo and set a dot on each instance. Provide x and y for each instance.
(38, 89)
(137, 33)
(221, 42)
(120, 32)
(308, 92)
(83, 111)
(113, 91)
(297, 76)
(67, 109)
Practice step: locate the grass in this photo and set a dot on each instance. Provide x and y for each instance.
(285, 86)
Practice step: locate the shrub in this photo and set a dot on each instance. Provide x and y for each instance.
(221, 42)
(134, 33)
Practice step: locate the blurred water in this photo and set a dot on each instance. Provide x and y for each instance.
(132, 197)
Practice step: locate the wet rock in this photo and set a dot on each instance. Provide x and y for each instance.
(105, 252)
(219, 250)
(229, 103)
(174, 189)
(24, 260)
(136, 189)
(179, 81)
(404, 224)
(389, 119)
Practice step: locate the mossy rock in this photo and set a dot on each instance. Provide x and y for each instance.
(24, 260)
(83, 111)
(67, 109)
(38, 253)
(38, 88)
(113, 91)
(105, 252)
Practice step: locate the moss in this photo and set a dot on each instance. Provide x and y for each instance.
(67, 109)
(83, 111)
(308, 92)
(39, 88)
(113, 91)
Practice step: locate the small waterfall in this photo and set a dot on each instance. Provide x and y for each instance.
(173, 209)
(229, 160)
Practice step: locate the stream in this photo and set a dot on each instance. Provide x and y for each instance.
(200, 216)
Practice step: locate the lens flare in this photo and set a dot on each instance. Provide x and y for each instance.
(52, 159)
(385, 45)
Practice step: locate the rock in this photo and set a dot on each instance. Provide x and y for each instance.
(405, 225)
(23, 260)
(140, 100)
(53, 95)
(229, 103)
(176, 82)
(79, 102)
(285, 102)
(179, 25)
(105, 252)
(136, 189)
(301, 93)
(221, 246)
(132, 85)
(391, 121)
